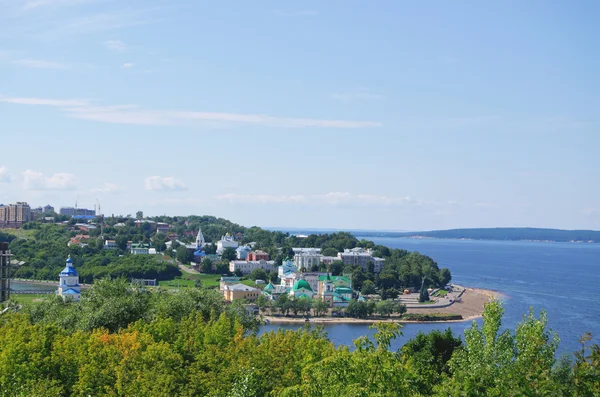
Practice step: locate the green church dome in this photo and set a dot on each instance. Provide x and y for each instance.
(301, 284)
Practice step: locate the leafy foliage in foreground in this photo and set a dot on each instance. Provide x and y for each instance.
(123, 341)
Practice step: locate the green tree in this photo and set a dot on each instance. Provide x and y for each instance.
(207, 266)
(229, 254)
(385, 308)
(222, 268)
(283, 303)
(319, 307)
(336, 268)
(390, 293)
(184, 255)
(258, 274)
(303, 305)
(368, 288)
(428, 354)
(139, 215)
(262, 302)
(358, 277)
(423, 295)
(496, 363)
(329, 252)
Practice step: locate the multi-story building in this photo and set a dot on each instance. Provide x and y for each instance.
(361, 257)
(162, 227)
(258, 255)
(4, 277)
(14, 215)
(305, 258)
(71, 211)
(247, 267)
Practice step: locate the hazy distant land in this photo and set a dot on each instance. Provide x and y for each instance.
(500, 233)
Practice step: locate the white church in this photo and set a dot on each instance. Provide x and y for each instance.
(68, 284)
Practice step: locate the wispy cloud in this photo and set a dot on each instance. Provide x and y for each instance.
(108, 188)
(115, 46)
(132, 114)
(167, 183)
(34, 180)
(332, 198)
(30, 5)
(355, 96)
(5, 177)
(42, 64)
(44, 101)
(51, 20)
(295, 13)
(128, 65)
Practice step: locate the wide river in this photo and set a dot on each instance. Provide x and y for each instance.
(561, 278)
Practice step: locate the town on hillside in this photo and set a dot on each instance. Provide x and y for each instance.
(274, 272)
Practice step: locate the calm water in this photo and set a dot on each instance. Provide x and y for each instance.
(562, 278)
(18, 286)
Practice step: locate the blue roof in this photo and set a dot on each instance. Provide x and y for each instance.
(83, 217)
(68, 271)
(199, 253)
(70, 291)
(69, 260)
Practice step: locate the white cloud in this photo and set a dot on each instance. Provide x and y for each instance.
(135, 115)
(167, 183)
(115, 46)
(128, 65)
(332, 198)
(45, 101)
(107, 188)
(34, 180)
(5, 177)
(42, 64)
(355, 96)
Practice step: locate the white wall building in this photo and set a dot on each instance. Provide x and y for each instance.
(361, 257)
(247, 267)
(226, 241)
(307, 257)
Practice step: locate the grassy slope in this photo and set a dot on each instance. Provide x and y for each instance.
(21, 233)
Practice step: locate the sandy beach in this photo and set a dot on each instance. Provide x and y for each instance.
(470, 307)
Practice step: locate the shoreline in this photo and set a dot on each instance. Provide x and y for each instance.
(470, 307)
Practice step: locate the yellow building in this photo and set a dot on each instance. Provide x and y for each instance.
(240, 291)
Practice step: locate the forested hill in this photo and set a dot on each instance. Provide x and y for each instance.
(510, 233)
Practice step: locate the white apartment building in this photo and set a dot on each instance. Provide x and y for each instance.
(362, 258)
(246, 267)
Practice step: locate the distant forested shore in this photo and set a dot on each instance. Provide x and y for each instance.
(499, 233)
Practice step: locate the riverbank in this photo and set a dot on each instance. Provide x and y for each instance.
(469, 306)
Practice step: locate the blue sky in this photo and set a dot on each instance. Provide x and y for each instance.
(339, 114)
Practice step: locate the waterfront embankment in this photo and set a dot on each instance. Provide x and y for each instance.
(469, 306)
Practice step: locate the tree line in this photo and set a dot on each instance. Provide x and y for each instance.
(122, 341)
